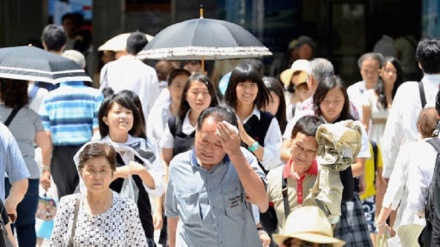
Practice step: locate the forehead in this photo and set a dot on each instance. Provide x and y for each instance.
(96, 162)
(309, 141)
(335, 92)
(369, 63)
(195, 84)
(208, 125)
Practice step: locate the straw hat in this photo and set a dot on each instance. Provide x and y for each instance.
(298, 65)
(310, 224)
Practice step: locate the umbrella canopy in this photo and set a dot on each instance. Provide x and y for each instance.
(202, 38)
(119, 42)
(35, 64)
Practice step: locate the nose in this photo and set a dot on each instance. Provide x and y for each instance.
(200, 96)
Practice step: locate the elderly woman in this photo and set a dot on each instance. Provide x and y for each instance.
(99, 216)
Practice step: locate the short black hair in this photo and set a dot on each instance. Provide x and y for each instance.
(428, 55)
(175, 73)
(307, 125)
(54, 37)
(243, 73)
(136, 42)
(219, 114)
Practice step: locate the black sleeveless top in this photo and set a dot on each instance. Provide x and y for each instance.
(257, 129)
(182, 142)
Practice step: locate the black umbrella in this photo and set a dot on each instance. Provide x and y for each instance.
(202, 38)
(35, 64)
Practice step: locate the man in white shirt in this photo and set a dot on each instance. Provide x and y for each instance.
(401, 124)
(130, 73)
(369, 66)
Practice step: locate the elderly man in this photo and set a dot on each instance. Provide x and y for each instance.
(210, 187)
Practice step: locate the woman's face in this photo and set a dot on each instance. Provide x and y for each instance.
(246, 92)
(273, 104)
(332, 105)
(119, 119)
(176, 87)
(389, 73)
(97, 174)
(198, 96)
(303, 151)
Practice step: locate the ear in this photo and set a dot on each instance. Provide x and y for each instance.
(104, 119)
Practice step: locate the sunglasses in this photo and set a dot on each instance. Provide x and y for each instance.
(291, 242)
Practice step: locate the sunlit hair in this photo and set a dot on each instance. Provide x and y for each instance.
(427, 122)
(307, 125)
(219, 114)
(124, 99)
(246, 73)
(96, 150)
(323, 88)
(175, 73)
(13, 93)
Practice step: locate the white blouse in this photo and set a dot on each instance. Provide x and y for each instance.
(118, 226)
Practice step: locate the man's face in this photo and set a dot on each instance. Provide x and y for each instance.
(303, 150)
(370, 71)
(209, 150)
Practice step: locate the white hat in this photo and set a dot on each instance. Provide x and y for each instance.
(298, 65)
(76, 56)
(310, 224)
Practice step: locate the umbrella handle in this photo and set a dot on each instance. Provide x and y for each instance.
(203, 64)
(201, 11)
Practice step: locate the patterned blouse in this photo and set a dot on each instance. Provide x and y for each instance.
(118, 226)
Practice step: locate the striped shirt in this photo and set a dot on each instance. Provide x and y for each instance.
(70, 113)
(25, 125)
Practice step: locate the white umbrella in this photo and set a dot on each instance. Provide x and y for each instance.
(119, 42)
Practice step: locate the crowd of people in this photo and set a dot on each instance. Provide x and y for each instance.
(242, 160)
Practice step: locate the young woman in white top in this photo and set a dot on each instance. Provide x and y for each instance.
(259, 131)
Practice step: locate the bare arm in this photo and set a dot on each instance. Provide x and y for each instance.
(358, 167)
(252, 183)
(43, 140)
(366, 116)
(172, 225)
(16, 195)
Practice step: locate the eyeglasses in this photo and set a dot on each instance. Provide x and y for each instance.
(102, 173)
(291, 242)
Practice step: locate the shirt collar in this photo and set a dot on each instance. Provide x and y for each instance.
(72, 83)
(287, 172)
(255, 112)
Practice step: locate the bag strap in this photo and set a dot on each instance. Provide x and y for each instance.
(435, 142)
(422, 94)
(11, 116)
(284, 193)
(75, 217)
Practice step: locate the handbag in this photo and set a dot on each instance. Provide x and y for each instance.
(269, 219)
(75, 217)
(47, 208)
(4, 240)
